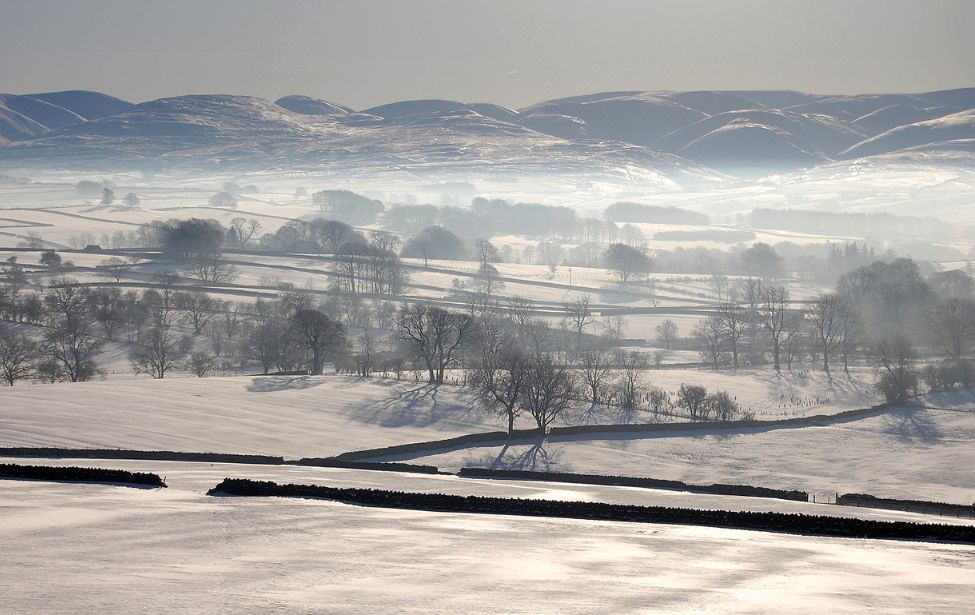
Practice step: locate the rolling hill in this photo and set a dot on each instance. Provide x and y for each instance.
(670, 139)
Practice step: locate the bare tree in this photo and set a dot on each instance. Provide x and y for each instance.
(158, 354)
(18, 355)
(540, 333)
(317, 334)
(710, 332)
(549, 390)
(734, 321)
(365, 357)
(894, 360)
(721, 286)
(794, 345)
(488, 279)
(210, 268)
(217, 337)
(198, 307)
(850, 333)
(486, 251)
(115, 266)
(500, 370)
(772, 309)
(952, 324)
(265, 342)
(434, 335)
(201, 364)
(667, 333)
(243, 230)
(578, 315)
(596, 365)
(631, 366)
(692, 398)
(626, 261)
(824, 312)
(65, 299)
(613, 326)
(231, 322)
(72, 345)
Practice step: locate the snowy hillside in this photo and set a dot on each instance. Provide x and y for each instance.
(280, 415)
(667, 140)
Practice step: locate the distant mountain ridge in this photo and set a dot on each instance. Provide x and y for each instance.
(660, 136)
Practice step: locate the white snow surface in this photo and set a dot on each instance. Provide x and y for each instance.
(297, 416)
(71, 548)
(908, 452)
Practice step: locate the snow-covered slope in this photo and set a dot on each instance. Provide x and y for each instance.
(637, 118)
(49, 116)
(207, 131)
(15, 125)
(618, 135)
(906, 453)
(311, 106)
(926, 133)
(279, 415)
(762, 138)
(89, 105)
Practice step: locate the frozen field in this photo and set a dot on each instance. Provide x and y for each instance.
(72, 548)
(198, 477)
(278, 415)
(305, 416)
(913, 453)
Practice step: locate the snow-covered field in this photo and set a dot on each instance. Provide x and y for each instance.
(910, 452)
(96, 548)
(297, 416)
(198, 477)
(326, 415)
(72, 548)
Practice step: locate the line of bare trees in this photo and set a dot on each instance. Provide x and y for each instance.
(878, 311)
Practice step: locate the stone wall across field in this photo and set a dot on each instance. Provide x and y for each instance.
(630, 481)
(762, 521)
(81, 475)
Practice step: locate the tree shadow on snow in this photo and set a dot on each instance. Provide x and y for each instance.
(534, 458)
(414, 407)
(270, 384)
(913, 423)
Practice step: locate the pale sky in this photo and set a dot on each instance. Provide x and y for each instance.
(363, 53)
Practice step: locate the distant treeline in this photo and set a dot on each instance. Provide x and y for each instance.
(653, 214)
(487, 217)
(724, 236)
(834, 223)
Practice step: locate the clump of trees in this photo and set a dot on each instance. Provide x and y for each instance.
(435, 243)
(347, 206)
(626, 262)
(653, 214)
